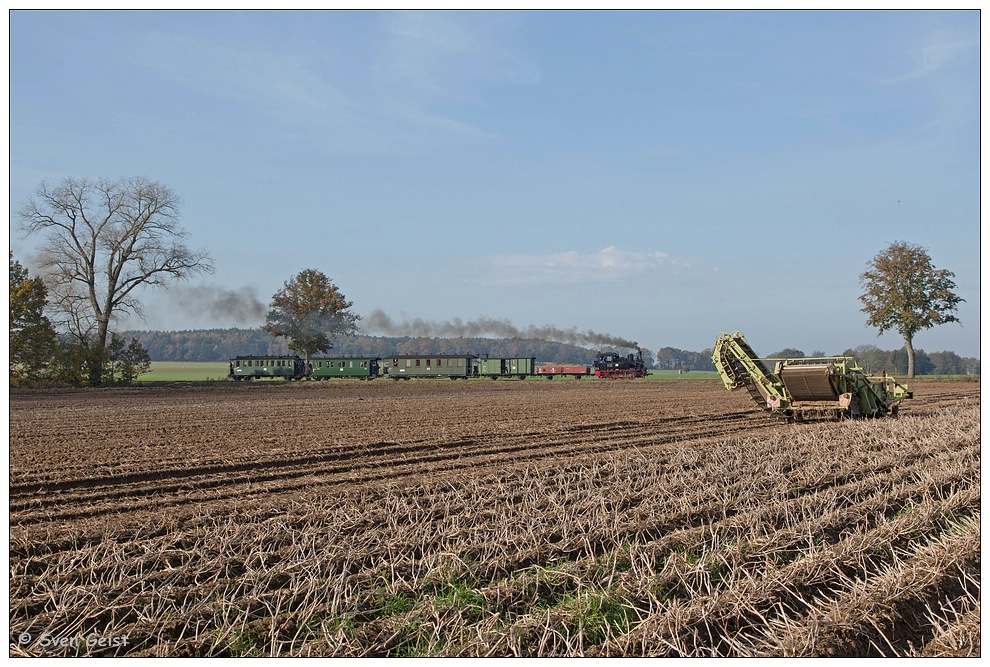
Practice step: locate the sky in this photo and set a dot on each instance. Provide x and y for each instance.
(661, 176)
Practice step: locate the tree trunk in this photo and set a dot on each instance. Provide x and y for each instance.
(910, 352)
(98, 353)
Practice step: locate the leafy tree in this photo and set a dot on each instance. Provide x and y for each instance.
(32, 336)
(125, 361)
(787, 353)
(904, 292)
(73, 360)
(102, 241)
(311, 312)
(870, 358)
(671, 358)
(947, 363)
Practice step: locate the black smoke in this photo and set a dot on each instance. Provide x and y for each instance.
(379, 322)
(241, 306)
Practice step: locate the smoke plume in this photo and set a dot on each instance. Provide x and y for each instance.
(379, 322)
(241, 306)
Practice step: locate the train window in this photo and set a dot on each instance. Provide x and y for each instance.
(364, 364)
(417, 363)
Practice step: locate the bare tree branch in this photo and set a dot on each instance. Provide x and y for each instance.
(102, 241)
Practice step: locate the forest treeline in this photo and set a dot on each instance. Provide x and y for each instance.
(223, 344)
(870, 357)
(875, 360)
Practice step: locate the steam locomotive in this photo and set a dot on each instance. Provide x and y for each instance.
(614, 366)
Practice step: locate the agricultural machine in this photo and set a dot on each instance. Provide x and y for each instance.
(616, 366)
(807, 388)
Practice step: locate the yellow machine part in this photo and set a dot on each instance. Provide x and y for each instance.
(809, 382)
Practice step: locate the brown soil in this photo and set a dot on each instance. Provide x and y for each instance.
(129, 466)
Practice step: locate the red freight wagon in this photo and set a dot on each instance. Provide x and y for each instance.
(550, 370)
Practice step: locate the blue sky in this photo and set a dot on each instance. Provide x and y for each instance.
(660, 176)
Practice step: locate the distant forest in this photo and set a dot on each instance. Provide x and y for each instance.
(223, 344)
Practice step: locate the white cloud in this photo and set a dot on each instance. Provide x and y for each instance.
(277, 82)
(609, 264)
(430, 66)
(939, 50)
(440, 55)
(415, 79)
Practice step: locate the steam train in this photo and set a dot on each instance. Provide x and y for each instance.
(454, 366)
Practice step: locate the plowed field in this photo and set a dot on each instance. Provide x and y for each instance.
(489, 518)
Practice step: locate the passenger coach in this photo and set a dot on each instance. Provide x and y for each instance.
(250, 367)
(344, 367)
(407, 366)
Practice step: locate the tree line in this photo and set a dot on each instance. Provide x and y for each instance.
(103, 240)
(875, 360)
(870, 357)
(223, 344)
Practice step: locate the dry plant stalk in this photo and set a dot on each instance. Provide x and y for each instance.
(582, 525)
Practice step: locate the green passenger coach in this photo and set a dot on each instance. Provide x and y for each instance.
(250, 367)
(344, 367)
(429, 366)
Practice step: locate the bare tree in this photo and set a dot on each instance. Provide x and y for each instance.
(102, 241)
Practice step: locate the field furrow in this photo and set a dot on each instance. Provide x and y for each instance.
(470, 519)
